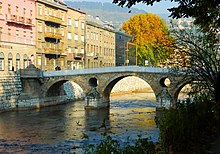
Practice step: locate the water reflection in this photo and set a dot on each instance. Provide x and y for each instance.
(61, 128)
(94, 119)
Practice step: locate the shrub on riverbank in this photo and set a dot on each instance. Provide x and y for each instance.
(110, 146)
(187, 128)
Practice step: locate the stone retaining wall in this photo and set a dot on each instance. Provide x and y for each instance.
(10, 89)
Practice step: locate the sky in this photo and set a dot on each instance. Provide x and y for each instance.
(157, 8)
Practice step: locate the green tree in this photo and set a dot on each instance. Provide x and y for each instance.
(151, 35)
(205, 12)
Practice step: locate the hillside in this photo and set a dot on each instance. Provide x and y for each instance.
(106, 11)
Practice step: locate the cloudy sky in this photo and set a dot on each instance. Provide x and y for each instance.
(157, 8)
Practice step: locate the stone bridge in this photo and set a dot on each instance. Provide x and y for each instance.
(97, 83)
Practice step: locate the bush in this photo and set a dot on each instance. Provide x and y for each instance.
(186, 128)
(111, 146)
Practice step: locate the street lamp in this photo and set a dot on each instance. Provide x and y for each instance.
(127, 60)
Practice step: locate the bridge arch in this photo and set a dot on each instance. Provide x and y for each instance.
(108, 86)
(54, 87)
(180, 86)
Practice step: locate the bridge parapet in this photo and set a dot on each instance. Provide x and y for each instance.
(31, 72)
(118, 69)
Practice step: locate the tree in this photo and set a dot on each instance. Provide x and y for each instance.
(151, 35)
(205, 12)
(203, 56)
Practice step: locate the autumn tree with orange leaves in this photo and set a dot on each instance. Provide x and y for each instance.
(151, 35)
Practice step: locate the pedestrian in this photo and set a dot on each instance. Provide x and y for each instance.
(57, 68)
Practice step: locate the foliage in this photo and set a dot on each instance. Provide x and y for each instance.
(186, 129)
(200, 55)
(151, 35)
(205, 12)
(109, 146)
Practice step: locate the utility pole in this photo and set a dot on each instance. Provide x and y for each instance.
(136, 55)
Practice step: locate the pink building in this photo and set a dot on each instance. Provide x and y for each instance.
(17, 34)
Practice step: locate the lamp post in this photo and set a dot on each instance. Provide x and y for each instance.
(127, 60)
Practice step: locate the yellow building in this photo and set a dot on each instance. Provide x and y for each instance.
(51, 34)
(100, 43)
(75, 38)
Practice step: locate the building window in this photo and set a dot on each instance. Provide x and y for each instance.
(76, 23)
(69, 22)
(17, 61)
(2, 61)
(39, 11)
(69, 49)
(24, 12)
(76, 37)
(9, 8)
(39, 61)
(69, 36)
(62, 16)
(10, 64)
(82, 50)
(82, 25)
(76, 50)
(50, 12)
(62, 31)
(0, 7)
(25, 39)
(17, 35)
(16, 10)
(39, 28)
(25, 61)
(82, 38)
(31, 40)
(0, 33)
(31, 13)
(9, 34)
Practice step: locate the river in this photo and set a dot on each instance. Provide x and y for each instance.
(65, 128)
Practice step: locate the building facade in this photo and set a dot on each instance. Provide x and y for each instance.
(17, 34)
(51, 34)
(121, 42)
(100, 43)
(75, 38)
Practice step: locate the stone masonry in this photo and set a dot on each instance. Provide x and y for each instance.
(10, 89)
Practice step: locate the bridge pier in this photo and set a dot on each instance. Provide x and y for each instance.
(164, 99)
(94, 101)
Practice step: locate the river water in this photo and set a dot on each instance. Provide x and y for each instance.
(65, 128)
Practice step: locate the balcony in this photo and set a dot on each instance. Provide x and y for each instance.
(28, 21)
(19, 20)
(78, 56)
(11, 18)
(54, 49)
(53, 19)
(52, 35)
